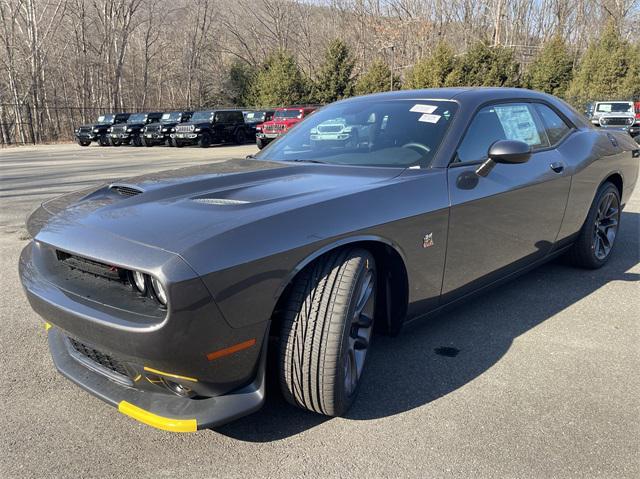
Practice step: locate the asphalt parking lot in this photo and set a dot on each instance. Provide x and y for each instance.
(545, 382)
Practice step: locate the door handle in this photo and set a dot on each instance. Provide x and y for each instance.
(557, 166)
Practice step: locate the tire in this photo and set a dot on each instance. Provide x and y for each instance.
(324, 340)
(596, 240)
(178, 144)
(136, 140)
(260, 143)
(145, 142)
(104, 141)
(84, 143)
(239, 138)
(204, 141)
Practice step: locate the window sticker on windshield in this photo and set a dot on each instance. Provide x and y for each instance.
(518, 123)
(605, 107)
(418, 108)
(428, 118)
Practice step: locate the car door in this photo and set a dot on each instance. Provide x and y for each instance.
(510, 218)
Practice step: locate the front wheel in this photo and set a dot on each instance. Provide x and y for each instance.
(327, 323)
(84, 142)
(136, 140)
(260, 143)
(595, 242)
(104, 141)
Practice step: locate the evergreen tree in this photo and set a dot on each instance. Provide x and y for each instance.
(279, 82)
(376, 79)
(432, 72)
(237, 86)
(335, 78)
(606, 71)
(483, 65)
(552, 69)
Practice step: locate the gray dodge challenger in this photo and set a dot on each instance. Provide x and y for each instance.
(162, 295)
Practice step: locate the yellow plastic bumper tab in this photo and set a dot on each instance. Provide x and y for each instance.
(47, 326)
(159, 422)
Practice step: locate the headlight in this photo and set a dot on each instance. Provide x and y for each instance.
(164, 130)
(95, 130)
(630, 121)
(197, 129)
(603, 121)
(159, 291)
(139, 281)
(109, 130)
(173, 129)
(129, 130)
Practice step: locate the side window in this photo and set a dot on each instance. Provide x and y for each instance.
(555, 126)
(508, 121)
(238, 117)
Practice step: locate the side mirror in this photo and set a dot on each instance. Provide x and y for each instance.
(507, 152)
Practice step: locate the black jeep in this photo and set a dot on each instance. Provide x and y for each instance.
(99, 131)
(212, 126)
(130, 132)
(159, 133)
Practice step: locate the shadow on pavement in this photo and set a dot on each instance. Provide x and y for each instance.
(440, 355)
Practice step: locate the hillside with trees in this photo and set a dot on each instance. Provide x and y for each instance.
(62, 62)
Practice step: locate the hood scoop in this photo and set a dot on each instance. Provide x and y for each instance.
(219, 201)
(125, 190)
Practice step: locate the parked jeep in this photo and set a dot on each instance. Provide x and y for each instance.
(283, 120)
(99, 131)
(254, 119)
(342, 132)
(159, 133)
(130, 132)
(618, 115)
(212, 126)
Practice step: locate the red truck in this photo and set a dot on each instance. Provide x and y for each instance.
(283, 120)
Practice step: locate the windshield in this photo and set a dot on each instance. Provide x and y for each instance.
(137, 118)
(392, 133)
(170, 117)
(288, 114)
(615, 107)
(105, 119)
(202, 116)
(254, 116)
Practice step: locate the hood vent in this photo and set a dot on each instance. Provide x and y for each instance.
(125, 190)
(219, 201)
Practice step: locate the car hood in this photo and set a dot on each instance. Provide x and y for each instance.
(175, 210)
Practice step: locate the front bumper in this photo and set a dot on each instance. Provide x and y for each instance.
(157, 409)
(186, 136)
(146, 345)
(269, 136)
(120, 136)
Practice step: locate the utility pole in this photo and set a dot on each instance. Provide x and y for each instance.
(393, 65)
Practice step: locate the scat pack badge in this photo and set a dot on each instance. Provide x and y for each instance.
(427, 241)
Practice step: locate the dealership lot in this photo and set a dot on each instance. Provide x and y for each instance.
(536, 379)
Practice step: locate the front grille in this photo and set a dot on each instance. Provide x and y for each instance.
(184, 128)
(616, 121)
(119, 129)
(89, 266)
(103, 359)
(125, 190)
(330, 128)
(274, 128)
(85, 129)
(152, 128)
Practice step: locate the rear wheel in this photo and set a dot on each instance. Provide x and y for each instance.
(593, 247)
(240, 137)
(204, 141)
(327, 323)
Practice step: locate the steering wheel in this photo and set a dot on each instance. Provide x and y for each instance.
(418, 147)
